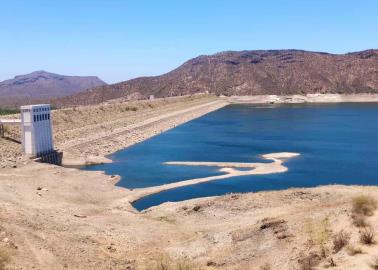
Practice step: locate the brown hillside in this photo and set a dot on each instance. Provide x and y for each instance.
(250, 73)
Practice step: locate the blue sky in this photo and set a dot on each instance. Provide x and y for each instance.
(120, 39)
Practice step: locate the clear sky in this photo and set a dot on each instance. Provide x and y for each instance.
(120, 39)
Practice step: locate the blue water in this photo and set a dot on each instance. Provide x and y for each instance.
(338, 143)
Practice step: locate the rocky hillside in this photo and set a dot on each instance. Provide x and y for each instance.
(41, 85)
(250, 73)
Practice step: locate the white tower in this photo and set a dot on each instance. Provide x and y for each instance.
(36, 130)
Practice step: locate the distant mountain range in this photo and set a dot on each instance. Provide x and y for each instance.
(250, 73)
(42, 85)
(279, 72)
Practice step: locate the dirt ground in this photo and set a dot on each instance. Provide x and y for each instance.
(58, 218)
(53, 217)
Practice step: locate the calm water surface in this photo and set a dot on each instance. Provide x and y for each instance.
(338, 143)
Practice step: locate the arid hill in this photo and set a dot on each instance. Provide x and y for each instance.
(250, 73)
(41, 85)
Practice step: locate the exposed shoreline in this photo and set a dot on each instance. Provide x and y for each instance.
(88, 134)
(138, 194)
(309, 98)
(74, 156)
(73, 151)
(92, 148)
(63, 218)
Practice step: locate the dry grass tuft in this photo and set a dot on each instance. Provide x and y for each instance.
(359, 221)
(340, 240)
(309, 262)
(367, 236)
(364, 205)
(165, 263)
(331, 262)
(318, 231)
(353, 250)
(324, 251)
(265, 266)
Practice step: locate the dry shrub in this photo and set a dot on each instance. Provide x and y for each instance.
(318, 231)
(309, 262)
(340, 240)
(4, 259)
(359, 221)
(353, 250)
(271, 223)
(364, 205)
(165, 263)
(331, 262)
(131, 108)
(265, 266)
(367, 236)
(324, 251)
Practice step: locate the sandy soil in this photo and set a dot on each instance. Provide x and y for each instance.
(105, 142)
(60, 218)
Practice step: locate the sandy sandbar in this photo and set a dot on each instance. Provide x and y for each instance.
(229, 169)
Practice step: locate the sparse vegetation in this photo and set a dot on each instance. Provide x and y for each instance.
(353, 250)
(318, 232)
(265, 266)
(309, 262)
(4, 259)
(129, 108)
(374, 264)
(340, 240)
(331, 262)
(165, 263)
(324, 251)
(132, 108)
(367, 236)
(359, 221)
(5, 111)
(364, 205)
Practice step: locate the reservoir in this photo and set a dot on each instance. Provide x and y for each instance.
(337, 143)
